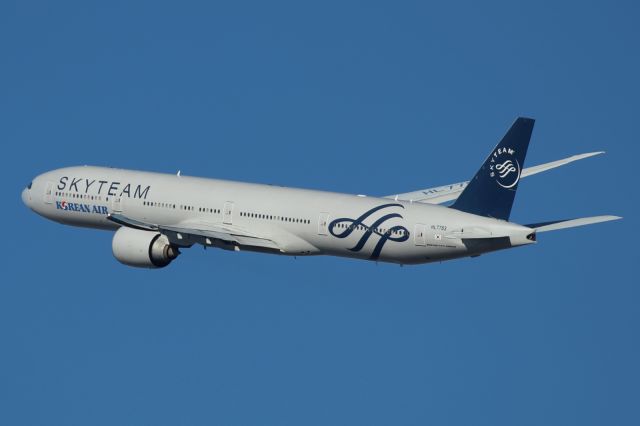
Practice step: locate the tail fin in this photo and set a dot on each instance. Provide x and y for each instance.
(493, 188)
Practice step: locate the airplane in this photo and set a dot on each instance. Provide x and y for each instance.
(155, 215)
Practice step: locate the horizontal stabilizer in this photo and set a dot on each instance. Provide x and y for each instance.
(570, 223)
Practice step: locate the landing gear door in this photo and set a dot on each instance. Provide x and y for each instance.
(323, 220)
(48, 193)
(420, 234)
(227, 213)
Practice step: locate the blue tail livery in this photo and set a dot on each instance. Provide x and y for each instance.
(492, 190)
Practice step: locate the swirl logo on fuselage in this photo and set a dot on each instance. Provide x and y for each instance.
(505, 171)
(345, 226)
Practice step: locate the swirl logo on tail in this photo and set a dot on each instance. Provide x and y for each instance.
(506, 173)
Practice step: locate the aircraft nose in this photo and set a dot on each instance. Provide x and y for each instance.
(26, 197)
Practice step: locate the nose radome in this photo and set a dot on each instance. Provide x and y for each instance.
(25, 197)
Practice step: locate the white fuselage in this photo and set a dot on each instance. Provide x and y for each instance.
(300, 222)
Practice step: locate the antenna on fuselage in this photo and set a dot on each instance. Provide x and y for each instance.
(178, 174)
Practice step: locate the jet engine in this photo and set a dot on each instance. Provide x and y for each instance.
(143, 249)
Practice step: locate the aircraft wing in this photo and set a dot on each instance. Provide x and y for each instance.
(442, 194)
(199, 232)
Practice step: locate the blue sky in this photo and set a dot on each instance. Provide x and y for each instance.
(359, 97)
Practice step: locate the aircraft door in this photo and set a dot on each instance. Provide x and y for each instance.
(48, 193)
(323, 220)
(116, 204)
(420, 234)
(227, 213)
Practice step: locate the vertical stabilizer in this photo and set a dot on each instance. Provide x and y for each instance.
(492, 190)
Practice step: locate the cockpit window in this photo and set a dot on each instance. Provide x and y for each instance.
(29, 186)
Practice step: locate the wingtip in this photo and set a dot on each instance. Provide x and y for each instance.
(609, 218)
(589, 154)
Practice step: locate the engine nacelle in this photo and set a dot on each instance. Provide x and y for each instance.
(143, 249)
